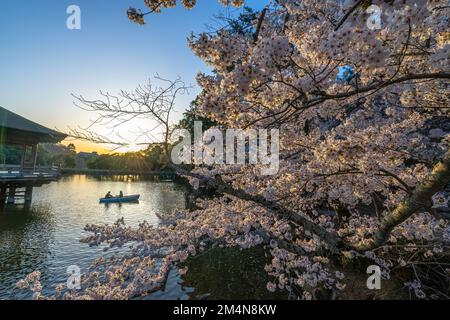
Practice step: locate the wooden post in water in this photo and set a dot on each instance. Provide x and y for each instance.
(11, 195)
(2, 195)
(28, 193)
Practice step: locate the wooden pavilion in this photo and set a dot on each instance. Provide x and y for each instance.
(17, 180)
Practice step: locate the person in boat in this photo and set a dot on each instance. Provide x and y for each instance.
(108, 195)
(120, 194)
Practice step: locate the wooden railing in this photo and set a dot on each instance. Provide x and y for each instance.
(19, 170)
(116, 172)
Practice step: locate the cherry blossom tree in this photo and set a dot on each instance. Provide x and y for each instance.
(364, 161)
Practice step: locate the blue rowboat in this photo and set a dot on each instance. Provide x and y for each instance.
(131, 198)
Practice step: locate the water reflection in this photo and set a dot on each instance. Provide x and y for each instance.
(45, 236)
(26, 234)
(222, 274)
(108, 205)
(229, 273)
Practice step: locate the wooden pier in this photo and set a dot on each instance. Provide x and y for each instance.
(107, 172)
(16, 185)
(17, 180)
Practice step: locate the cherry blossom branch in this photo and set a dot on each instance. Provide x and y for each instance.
(377, 86)
(305, 103)
(420, 199)
(348, 13)
(331, 239)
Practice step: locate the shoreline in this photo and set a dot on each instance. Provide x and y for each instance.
(69, 171)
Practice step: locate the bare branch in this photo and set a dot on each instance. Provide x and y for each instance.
(151, 102)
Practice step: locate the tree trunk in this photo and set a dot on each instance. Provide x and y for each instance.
(419, 200)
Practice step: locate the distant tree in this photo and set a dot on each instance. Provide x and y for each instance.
(101, 162)
(63, 160)
(10, 154)
(154, 155)
(151, 159)
(69, 161)
(190, 116)
(242, 25)
(71, 147)
(43, 157)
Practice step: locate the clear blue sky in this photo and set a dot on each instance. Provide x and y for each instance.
(42, 62)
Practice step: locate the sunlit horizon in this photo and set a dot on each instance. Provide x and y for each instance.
(46, 63)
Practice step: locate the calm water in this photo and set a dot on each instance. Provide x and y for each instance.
(45, 237)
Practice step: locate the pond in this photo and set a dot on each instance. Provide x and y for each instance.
(45, 236)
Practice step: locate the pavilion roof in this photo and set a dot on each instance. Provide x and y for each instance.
(19, 129)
